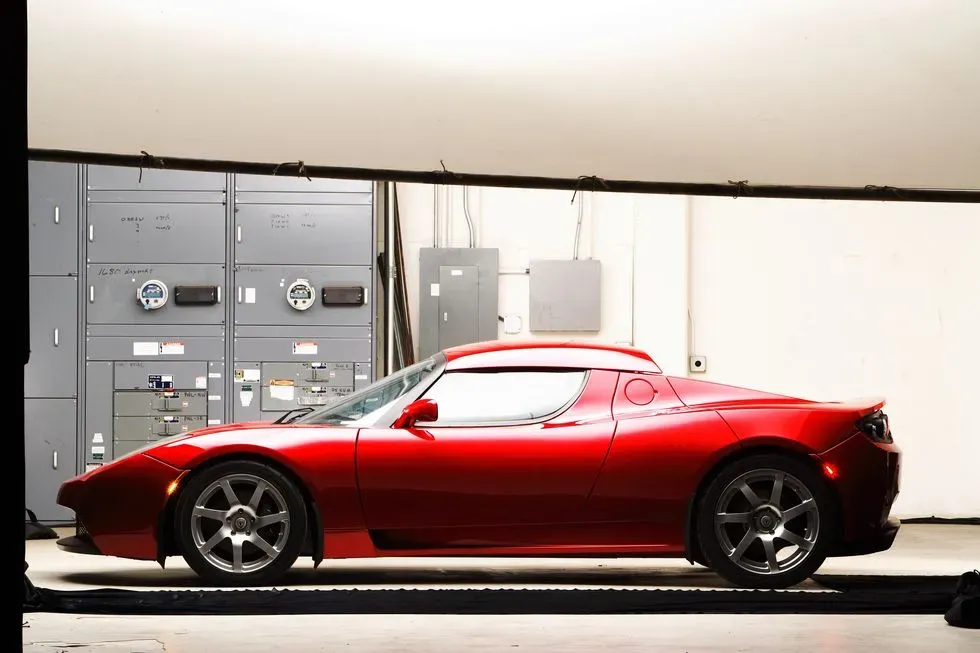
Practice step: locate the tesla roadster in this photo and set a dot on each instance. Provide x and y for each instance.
(510, 449)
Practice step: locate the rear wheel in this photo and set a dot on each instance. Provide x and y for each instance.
(240, 523)
(766, 522)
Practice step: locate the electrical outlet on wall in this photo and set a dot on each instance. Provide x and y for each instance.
(698, 364)
(512, 323)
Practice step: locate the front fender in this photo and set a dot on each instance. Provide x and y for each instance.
(320, 458)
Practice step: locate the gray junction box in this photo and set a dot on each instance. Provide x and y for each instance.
(565, 295)
(159, 306)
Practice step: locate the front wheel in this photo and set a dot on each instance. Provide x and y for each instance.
(240, 523)
(766, 522)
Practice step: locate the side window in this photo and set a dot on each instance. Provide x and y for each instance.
(503, 396)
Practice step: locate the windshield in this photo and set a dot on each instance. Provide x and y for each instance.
(365, 406)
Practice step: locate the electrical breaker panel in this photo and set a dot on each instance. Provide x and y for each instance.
(267, 390)
(134, 403)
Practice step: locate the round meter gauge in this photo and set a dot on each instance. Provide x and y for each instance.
(300, 294)
(152, 294)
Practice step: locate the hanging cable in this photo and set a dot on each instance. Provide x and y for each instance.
(447, 216)
(435, 215)
(578, 229)
(466, 214)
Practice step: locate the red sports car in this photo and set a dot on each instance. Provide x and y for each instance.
(511, 449)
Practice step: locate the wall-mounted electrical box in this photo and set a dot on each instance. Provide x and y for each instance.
(457, 297)
(565, 295)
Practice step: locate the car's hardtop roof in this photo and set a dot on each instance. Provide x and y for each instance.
(550, 353)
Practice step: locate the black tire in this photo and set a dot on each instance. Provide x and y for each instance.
(280, 503)
(753, 567)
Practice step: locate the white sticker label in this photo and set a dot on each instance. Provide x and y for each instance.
(252, 375)
(434, 289)
(212, 422)
(96, 450)
(146, 349)
(246, 398)
(214, 397)
(97, 438)
(250, 295)
(282, 392)
(90, 466)
(457, 273)
(360, 377)
(305, 348)
(201, 383)
(172, 348)
(214, 375)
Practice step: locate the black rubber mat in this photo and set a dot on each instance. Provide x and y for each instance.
(854, 595)
(955, 521)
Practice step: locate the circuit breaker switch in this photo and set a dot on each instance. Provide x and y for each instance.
(165, 426)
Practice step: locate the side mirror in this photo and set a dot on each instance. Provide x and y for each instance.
(422, 410)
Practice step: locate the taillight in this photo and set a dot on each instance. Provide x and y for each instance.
(876, 427)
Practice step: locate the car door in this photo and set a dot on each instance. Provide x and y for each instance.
(513, 454)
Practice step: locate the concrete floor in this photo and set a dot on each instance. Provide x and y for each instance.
(919, 550)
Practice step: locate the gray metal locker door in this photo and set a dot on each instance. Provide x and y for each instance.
(334, 234)
(50, 448)
(459, 303)
(53, 365)
(53, 218)
(156, 233)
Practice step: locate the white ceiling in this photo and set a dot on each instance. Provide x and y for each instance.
(811, 92)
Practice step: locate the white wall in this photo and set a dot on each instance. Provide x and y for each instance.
(817, 92)
(830, 300)
(824, 300)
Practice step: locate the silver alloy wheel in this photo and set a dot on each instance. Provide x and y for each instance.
(763, 514)
(240, 523)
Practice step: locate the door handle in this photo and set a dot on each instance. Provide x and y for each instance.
(238, 234)
(421, 434)
(91, 294)
(56, 337)
(54, 460)
(57, 215)
(91, 233)
(239, 294)
(219, 294)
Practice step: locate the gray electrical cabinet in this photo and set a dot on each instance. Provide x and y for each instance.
(457, 297)
(303, 281)
(165, 301)
(51, 375)
(155, 306)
